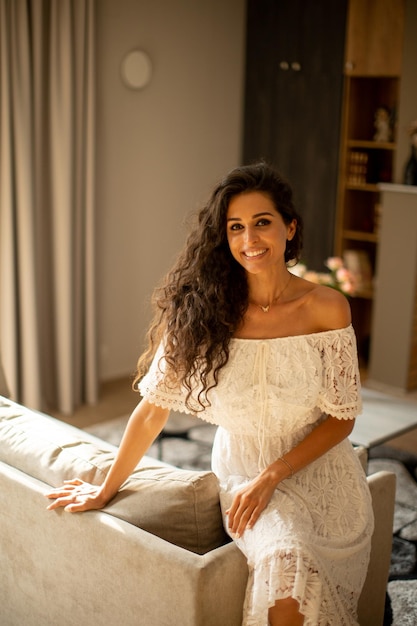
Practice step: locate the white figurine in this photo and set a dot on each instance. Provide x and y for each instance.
(382, 125)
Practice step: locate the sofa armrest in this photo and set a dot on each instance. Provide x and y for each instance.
(71, 569)
(372, 600)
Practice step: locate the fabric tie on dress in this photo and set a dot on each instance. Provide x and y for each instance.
(260, 368)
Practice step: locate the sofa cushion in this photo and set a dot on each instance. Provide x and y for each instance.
(177, 505)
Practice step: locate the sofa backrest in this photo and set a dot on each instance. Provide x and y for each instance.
(177, 505)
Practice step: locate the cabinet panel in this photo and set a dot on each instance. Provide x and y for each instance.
(393, 361)
(293, 98)
(374, 37)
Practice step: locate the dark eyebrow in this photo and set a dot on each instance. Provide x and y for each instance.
(237, 219)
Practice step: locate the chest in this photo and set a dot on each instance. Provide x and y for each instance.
(286, 368)
(284, 320)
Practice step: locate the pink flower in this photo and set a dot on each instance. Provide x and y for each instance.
(298, 270)
(339, 277)
(334, 263)
(348, 287)
(342, 274)
(313, 277)
(326, 279)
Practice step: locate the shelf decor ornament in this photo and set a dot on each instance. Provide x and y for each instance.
(410, 170)
(382, 125)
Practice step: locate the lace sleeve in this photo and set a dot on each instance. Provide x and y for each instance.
(155, 388)
(340, 394)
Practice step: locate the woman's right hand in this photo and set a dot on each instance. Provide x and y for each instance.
(144, 425)
(76, 495)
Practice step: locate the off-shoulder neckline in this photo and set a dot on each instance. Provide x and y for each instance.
(334, 331)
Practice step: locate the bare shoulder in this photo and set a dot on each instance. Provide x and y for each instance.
(330, 308)
(324, 307)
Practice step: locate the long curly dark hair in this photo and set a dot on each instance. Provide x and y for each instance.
(203, 299)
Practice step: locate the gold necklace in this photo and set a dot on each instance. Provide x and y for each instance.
(266, 308)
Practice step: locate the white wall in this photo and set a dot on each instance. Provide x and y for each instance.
(159, 150)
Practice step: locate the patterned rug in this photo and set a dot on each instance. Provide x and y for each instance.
(192, 450)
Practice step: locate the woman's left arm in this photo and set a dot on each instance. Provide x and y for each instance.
(320, 440)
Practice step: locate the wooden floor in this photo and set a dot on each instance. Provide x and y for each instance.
(118, 399)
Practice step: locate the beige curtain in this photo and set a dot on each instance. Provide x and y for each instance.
(47, 254)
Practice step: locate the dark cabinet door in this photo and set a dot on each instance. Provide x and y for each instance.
(293, 99)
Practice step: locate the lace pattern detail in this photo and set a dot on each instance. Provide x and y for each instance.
(312, 542)
(296, 373)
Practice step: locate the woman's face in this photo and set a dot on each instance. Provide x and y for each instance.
(256, 233)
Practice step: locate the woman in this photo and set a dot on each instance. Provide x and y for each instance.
(271, 359)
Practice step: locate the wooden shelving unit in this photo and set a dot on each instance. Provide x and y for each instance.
(371, 81)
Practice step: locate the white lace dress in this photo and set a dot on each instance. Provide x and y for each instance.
(312, 542)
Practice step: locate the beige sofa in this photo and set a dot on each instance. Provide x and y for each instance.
(156, 556)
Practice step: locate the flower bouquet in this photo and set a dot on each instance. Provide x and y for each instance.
(338, 277)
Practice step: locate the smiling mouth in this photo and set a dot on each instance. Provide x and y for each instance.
(252, 254)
